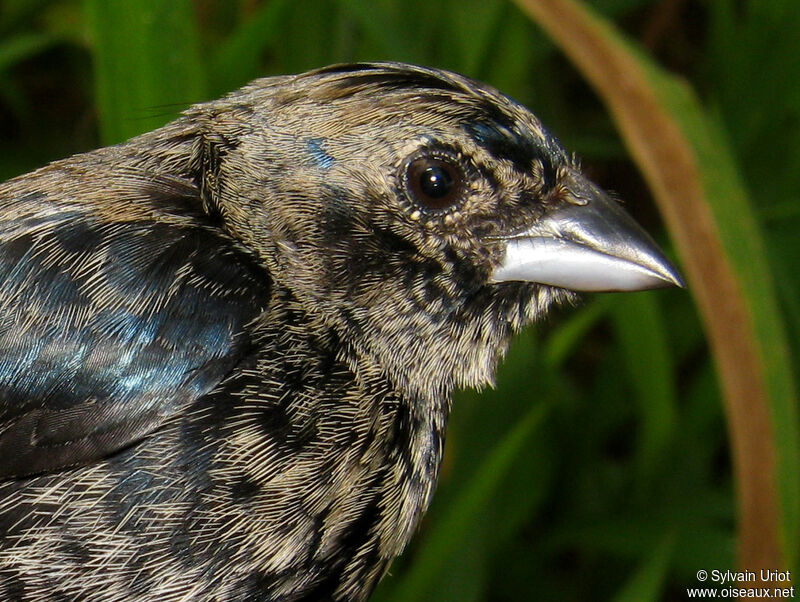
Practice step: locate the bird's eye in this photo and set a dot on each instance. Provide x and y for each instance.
(435, 184)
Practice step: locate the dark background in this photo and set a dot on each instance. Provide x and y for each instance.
(599, 466)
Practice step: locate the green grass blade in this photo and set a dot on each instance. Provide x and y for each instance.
(742, 242)
(14, 13)
(648, 582)
(571, 330)
(449, 534)
(22, 46)
(378, 22)
(237, 60)
(147, 63)
(475, 23)
(641, 332)
(685, 155)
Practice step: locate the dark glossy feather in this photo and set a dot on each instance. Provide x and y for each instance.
(109, 327)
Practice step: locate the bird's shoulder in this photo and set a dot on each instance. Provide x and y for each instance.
(119, 305)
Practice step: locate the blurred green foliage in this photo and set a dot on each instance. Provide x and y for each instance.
(598, 468)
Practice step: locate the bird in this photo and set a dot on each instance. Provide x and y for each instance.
(228, 346)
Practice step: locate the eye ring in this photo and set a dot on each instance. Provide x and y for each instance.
(435, 183)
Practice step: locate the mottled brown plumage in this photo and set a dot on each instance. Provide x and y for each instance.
(227, 347)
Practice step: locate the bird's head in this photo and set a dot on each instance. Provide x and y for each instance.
(424, 216)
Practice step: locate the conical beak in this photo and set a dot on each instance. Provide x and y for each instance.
(589, 243)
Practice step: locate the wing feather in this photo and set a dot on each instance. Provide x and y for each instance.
(107, 328)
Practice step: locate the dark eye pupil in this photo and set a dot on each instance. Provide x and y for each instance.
(435, 182)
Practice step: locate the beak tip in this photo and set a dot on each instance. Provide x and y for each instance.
(665, 274)
(663, 282)
(676, 280)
